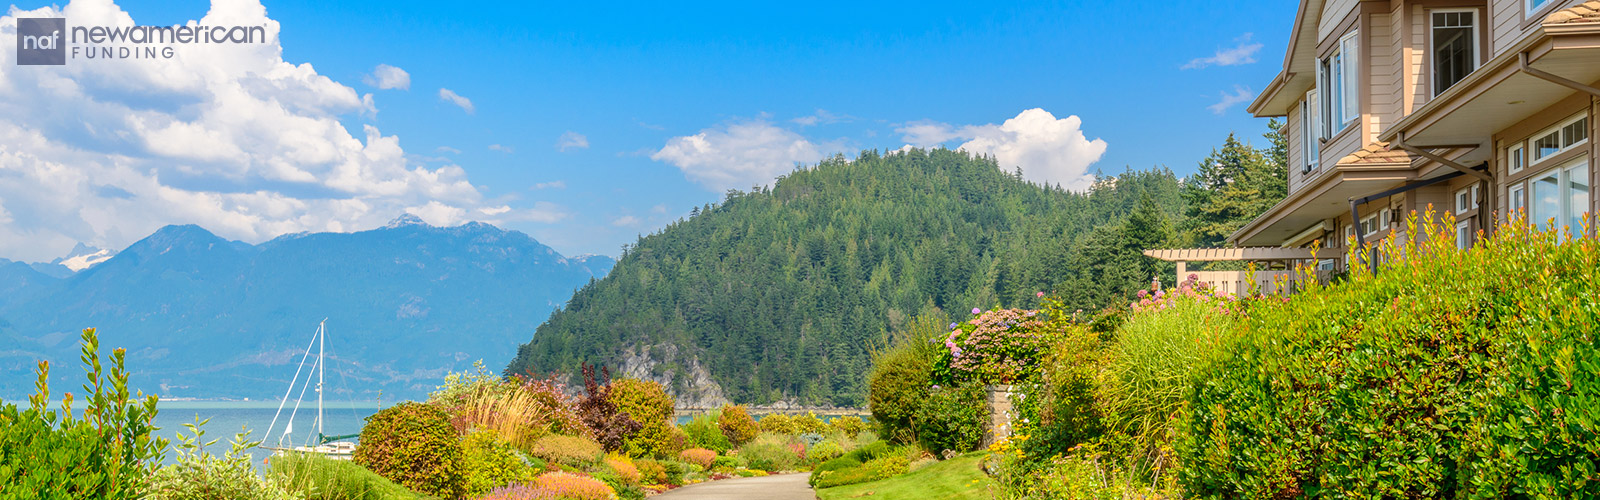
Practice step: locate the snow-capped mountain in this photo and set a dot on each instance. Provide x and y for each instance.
(83, 257)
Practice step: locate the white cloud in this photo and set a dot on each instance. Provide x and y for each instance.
(447, 149)
(1240, 95)
(502, 149)
(572, 140)
(741, 155)
(1243, 53)
(551, 185)
(822, 116)
(1048, 150)
(626, 220)
(230, 137)
(452, 97)
(387, 77)
(659, 209)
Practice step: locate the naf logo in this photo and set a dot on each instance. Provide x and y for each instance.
(41, 41)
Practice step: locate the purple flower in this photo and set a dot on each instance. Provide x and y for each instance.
(953, 325)
(976, 310)
(936, 386)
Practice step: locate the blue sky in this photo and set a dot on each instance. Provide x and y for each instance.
(638, 81)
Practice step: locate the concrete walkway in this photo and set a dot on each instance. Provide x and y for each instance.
(779, 487)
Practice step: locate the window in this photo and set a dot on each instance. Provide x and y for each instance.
(1349, 234)
(1326, 264)
(1340, 84)
(1464, 234)
(1383, 219)
(1561, 138)
(1467, 199)
(1517, 157)
(1455, 47)
(1311, 130)
(1561, 197)
(1533, 6)
(1519, 200)
(1369, 225)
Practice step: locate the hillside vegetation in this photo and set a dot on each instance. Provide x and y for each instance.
(780, 292)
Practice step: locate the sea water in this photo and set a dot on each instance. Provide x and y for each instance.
(227, 418)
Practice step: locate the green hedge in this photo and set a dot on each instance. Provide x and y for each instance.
(1448, 374)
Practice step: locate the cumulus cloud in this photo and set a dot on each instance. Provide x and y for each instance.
(387, 77)
(1243, 53)
(500, 148)
(740, 155)
(572, 140)
(550, 185)
(1240, 95)
(1048, 150)
(230, 137)
(452, 97)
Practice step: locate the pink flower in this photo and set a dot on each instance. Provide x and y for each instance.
(976, 310)
(1038, 294)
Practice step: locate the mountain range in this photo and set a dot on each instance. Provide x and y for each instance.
(205, 317)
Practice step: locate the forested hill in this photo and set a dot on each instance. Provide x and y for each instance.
(778, 293)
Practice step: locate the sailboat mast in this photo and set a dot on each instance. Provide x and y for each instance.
(322, 334)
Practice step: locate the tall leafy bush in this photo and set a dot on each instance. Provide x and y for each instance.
(648, 404)
(413, 444)
(1447, 374)
(106, 451)
(737, 425)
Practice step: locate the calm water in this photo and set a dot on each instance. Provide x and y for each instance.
(227, 417)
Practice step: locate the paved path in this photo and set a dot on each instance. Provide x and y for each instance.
(779, 487)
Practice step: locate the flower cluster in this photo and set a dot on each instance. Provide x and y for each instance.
(1156, 299)
(998, 346)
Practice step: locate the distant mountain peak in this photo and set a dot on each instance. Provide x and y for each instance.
(83, 257)
(404, 220)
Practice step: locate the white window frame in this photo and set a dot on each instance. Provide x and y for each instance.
(1433, 62)
(1559, 130)
(1369, 225)
(1341, 98)
(1471, 191)
(1565, 209)
(1517, 199)
(1383, 219)
(1464, 234)
(1311, 131)
(1349, 233)
(1517, 157)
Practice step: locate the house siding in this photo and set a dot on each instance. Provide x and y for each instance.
(1383, 74)
(1332, 12)
(1297, 153)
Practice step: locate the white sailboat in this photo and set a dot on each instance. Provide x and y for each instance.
(335, 447)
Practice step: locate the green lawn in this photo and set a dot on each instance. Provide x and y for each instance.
(950, 479)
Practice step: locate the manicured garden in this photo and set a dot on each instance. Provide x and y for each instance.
(1447, 373)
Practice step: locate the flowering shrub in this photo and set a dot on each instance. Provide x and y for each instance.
(488, 462)
(699, 456)
(651, 471)
(778, 423)
(624, 468)
(648, 404)
(737, 425)
(808, 424)
(999, 346)
(555, 486)
(567, 450)
(850, 426)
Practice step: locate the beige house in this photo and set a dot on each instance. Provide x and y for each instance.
(1478, 108)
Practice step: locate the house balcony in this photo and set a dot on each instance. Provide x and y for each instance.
(1277, 272)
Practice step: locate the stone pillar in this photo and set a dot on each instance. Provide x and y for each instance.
(998, 399)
